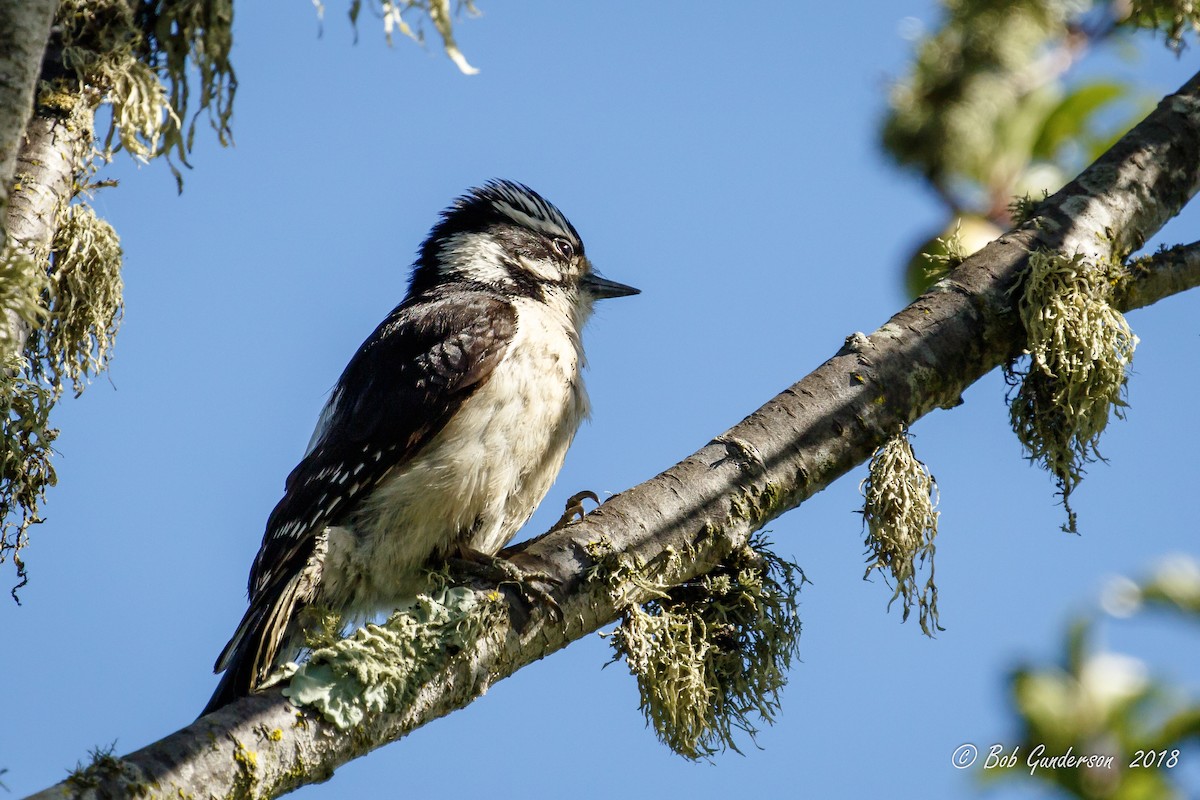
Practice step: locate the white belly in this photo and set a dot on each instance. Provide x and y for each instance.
(477, 481)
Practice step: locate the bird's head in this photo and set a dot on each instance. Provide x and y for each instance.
(505, 237)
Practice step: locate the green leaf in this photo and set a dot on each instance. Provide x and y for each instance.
(1075, 114)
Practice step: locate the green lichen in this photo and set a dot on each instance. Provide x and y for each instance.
(297, 772)
(246, 779)
(757, 504)
(946, 253)
(144, 59)
(84, 299)
(1023, 208)
(186, 41)
(1079, 349)
(26, 471)
(323, 627)
(1173, 17)
(380, 668)
(71, 303)
(711, 655)
(142, 117)
(139, 57)
(22, 283)
(395, 13)
(899, 513)
(103, 768)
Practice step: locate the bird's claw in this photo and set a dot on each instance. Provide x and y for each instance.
(575, 508)
(502, 572)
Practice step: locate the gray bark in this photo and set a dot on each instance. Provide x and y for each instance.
(691, 516)
(55, 150)
(24, 32)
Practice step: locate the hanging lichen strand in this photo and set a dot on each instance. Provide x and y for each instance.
(72, 325)
(84, 300)
(901, 520)
(1172, 17)
(393, 13)
(144, 61)
(713, 653)
(25, 435)
(1079, 349)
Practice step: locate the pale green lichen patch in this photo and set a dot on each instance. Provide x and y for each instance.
(381, 667)
(901, 517)
(1079, 350)
(711, 655)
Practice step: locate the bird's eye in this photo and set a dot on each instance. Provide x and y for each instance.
(564, 248)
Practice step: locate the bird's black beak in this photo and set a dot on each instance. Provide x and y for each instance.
(600, 288)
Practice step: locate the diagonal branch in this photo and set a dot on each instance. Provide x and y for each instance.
(1167, 272)
(690, 517)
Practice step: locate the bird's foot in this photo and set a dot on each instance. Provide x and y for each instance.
(502, 572)
(575, 508)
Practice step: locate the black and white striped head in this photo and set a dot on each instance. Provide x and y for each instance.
(505, 237)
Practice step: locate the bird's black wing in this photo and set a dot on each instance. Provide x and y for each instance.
(402, 386)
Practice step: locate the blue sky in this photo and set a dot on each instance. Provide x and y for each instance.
(725, 163)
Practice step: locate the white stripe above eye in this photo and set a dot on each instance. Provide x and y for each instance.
(546, 224)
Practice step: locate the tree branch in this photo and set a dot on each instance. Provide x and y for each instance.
(686, 520)
(1167, 272)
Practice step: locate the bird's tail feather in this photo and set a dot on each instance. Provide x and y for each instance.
(261, 638)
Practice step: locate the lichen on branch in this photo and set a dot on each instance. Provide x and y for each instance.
(901, 517)
(26, 471)
(711, 655)
(84, 300)
(1079, 349)
(380, 668)
(144, 59)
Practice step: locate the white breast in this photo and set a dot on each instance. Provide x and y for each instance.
(479, 479)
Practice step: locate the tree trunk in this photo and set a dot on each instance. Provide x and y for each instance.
(24, 32)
